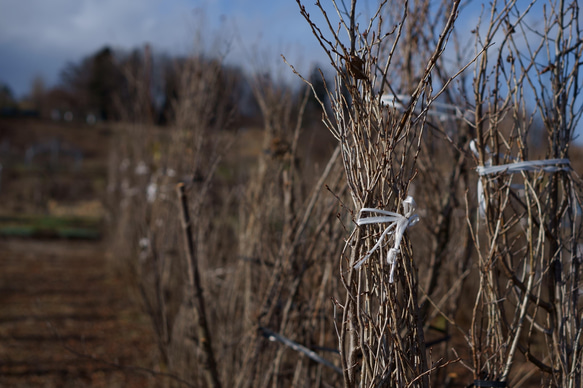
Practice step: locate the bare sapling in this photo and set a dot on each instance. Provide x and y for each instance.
(283, 244)
(527, 106)
(194, 285)
(380, 330)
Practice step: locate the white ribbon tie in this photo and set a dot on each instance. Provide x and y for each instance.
(397, 224)
(547, 165)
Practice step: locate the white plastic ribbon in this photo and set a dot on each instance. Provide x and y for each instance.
(547, 165)
(397, 224)
(441, 110)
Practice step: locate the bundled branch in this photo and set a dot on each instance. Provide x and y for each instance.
(380, 334)
(529, 298)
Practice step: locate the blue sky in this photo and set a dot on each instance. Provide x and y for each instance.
(38, 37)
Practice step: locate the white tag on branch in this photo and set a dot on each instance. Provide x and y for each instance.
(397, 225)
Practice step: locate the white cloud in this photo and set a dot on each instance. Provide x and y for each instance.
(40, 36)
(80, 26)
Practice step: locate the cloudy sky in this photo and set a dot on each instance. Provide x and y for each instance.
(38, 37)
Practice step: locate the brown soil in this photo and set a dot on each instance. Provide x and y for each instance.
(66, 322)
(65, 319)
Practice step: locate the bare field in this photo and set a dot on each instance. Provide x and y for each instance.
(66, 320)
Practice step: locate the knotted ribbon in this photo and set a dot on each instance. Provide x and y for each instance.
(397, 225)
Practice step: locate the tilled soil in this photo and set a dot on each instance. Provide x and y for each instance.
(65, 321)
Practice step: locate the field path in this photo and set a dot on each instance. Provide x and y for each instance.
(62, 315)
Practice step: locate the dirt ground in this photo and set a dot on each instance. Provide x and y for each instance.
(65, 319)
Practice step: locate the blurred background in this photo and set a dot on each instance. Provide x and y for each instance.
(104, 107)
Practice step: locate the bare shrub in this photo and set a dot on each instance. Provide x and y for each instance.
(528, 244)
(298, 287)
(286, 248)
(381, 331)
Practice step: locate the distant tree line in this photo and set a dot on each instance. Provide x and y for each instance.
(137, 85)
